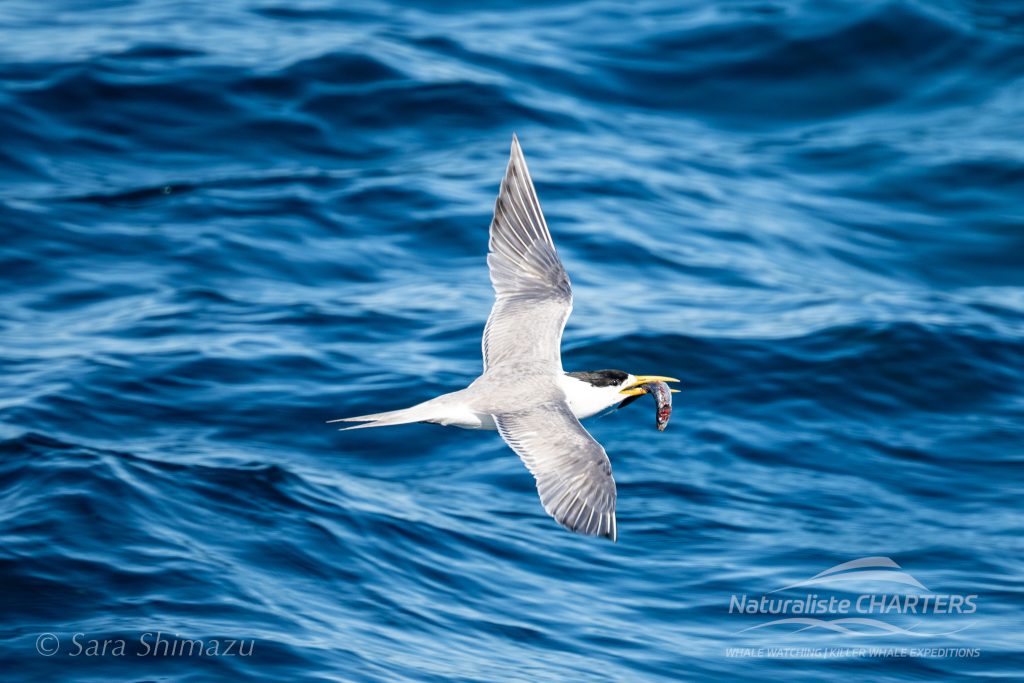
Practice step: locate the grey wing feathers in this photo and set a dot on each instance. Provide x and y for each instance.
(573, 474)
(533, 297)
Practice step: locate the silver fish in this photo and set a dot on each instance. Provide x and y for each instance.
(663, 396)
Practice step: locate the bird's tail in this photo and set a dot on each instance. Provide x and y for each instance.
(422, 412)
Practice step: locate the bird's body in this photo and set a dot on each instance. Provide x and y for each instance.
(475, 406)
(523, 391)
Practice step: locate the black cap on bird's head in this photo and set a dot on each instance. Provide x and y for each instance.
(601, 378)
(631, 386)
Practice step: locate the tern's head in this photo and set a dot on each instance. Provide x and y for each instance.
(598, 390)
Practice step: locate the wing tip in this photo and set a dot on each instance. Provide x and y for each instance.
(517, 149)
(612, 533)
(605, 526)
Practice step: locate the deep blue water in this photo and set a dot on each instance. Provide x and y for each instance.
(224, 223)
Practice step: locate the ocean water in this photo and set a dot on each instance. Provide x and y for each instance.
(224, 223)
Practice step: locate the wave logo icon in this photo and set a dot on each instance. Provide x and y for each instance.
(864, 569)
(857, 613)
(876, 627)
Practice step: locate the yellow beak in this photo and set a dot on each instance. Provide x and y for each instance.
(636, 388)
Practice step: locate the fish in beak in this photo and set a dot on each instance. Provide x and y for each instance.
(657, 387)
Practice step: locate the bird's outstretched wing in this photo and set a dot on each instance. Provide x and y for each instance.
(533, 297)
(574, 476)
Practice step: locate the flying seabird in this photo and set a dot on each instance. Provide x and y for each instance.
(523, 392)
